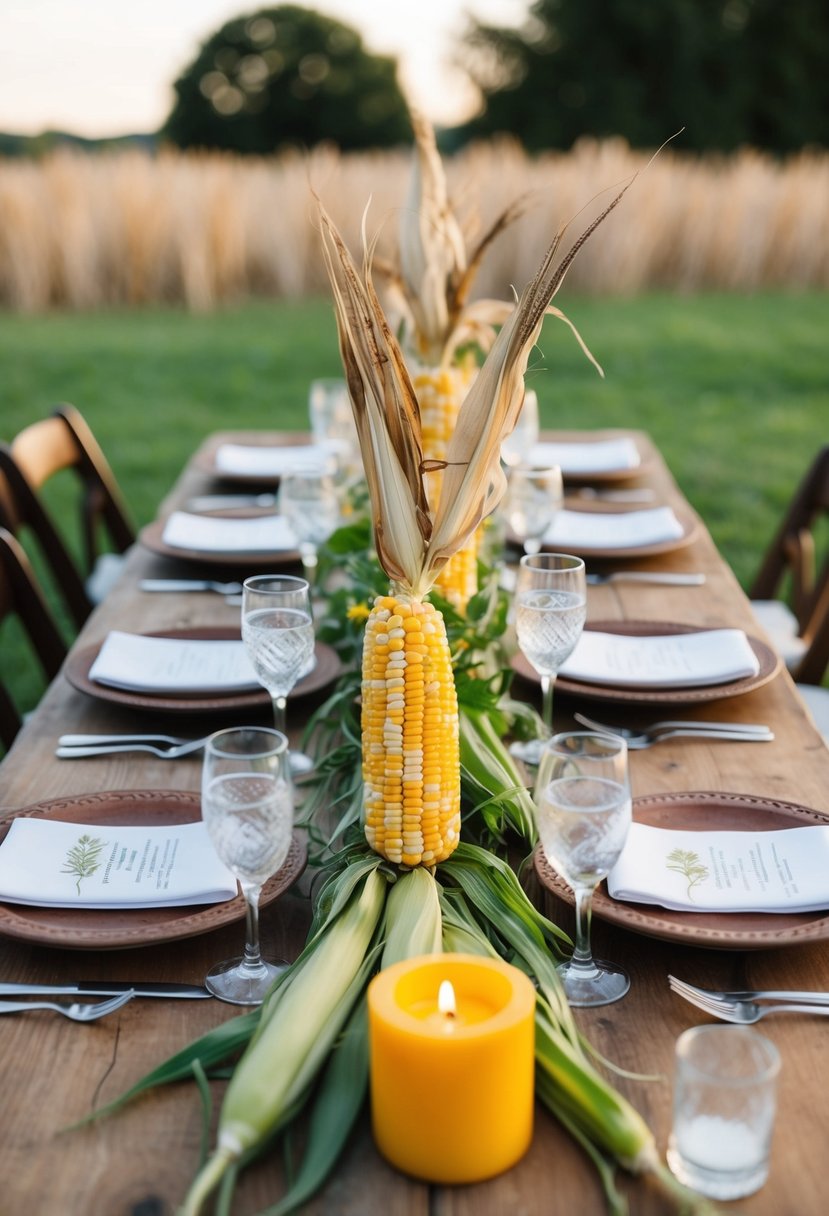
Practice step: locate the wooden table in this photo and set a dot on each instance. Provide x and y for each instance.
(139, 1162)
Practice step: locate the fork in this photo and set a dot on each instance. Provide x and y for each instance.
(73, 747)
(752, 994)
(76, 1012)
(672, 724)
(743, 1013)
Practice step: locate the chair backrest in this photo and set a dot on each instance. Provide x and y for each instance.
(21, 596)
(814, 666)
(793, 551)
(63, 441)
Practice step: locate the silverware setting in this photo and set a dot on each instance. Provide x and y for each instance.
(738, 1009)
(74, 747)
(638, 740)
(102, 988)
(76, 1012)
(217, 502)
(646, 576)
(189, 584)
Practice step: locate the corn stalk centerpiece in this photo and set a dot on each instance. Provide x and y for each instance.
(411, 885)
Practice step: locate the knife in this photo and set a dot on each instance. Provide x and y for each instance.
(192, 992)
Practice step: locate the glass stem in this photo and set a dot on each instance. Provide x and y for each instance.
(547, 702)
(253, 959)
(582, 959)
(309, 562)
(279, 704)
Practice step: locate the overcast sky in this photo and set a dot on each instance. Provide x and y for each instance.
(106, 67)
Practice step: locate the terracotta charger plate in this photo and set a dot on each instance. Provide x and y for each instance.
(770, 664)
(707, 811)
(119, 928)
(79, 664)
(687, 519)
(152, 538)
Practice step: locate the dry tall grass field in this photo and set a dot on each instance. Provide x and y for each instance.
(89, 231)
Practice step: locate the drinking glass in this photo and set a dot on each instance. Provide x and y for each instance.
(724, 1106)
(534, 495)
(332, 421)
(583, 812)
(517, 447)
(278, 633)
(551, 606)
(310, 501)
(247, 807)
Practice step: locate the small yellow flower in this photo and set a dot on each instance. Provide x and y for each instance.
(358, 612)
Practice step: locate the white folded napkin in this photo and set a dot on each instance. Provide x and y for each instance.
(585, 530)
(780, 871)
(212, 534)
(675, 660)
(248, 460)
(596, 456)
(172, 665)
(73, 865)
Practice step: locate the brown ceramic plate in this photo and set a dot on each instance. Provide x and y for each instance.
(687, 519)
(152, 538)
(79, 663)
(625, 473)
(700, 812)
(770, 665)
(98, 929)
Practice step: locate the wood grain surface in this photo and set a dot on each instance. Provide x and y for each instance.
(138, 1162)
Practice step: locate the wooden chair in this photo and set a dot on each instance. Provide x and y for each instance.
(793, 561)
(63, 441)
(21, 597)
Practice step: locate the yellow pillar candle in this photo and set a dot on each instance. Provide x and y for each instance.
(452, 1094)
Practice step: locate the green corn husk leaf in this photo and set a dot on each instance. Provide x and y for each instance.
(298, 1027)
(337, 1104)
(488, 767)
(413, 919)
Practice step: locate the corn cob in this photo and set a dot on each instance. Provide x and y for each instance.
(410, 734)
(294, 1037)
(440, 392)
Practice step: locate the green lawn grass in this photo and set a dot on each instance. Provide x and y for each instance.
(733, 389)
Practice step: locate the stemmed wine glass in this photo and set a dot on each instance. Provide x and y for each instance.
(278, 633)
(534, 495)
(247, 807)
(332, 421)
(518, 445)
(551, 606)
(309, 499)
(583, 812)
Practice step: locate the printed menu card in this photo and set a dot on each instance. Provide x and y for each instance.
(786, 870)
(172, 665)
(72, 865)
(675, 660)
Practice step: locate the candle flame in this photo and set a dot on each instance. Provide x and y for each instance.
(446, 999)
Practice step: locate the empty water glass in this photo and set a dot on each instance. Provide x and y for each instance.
(309, 499)
(724, 1107)
(332, 421)
(534, 495)
(247, 807)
